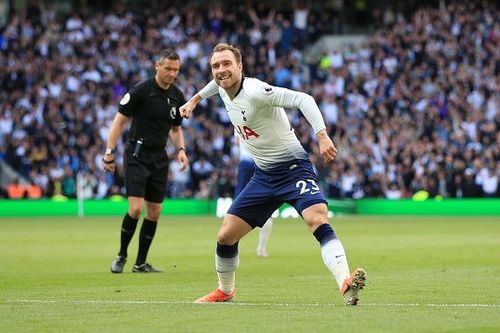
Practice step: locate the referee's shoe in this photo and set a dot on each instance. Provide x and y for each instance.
(117, 264)
(145, 268)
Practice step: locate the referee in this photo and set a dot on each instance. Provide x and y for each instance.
(153, 105)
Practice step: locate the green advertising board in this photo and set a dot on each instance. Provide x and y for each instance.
(117, 206)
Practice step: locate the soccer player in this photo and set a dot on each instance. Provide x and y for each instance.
(246, 169)
(283, 170)
(153, 107)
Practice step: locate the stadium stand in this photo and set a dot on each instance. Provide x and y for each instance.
(413, 108)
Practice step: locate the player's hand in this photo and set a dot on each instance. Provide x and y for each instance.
(183, 160)
(108, 163)
(187, 109)
(326, 146)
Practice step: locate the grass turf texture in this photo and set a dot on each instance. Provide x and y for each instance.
(425, 275)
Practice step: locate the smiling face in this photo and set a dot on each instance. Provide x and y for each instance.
(227, 71)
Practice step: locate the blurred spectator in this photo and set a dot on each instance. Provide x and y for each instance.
(393, 192)
(201, 170)
(416, 104)
(33, 191)
(178, 180)
(16, 190)
(488, 180)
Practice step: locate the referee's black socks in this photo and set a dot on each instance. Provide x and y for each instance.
(129, 225)
(147, 234)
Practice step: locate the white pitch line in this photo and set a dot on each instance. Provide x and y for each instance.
(253, 304)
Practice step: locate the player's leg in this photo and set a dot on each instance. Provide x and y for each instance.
(264, 234)
(226, 258)
(332, 250)
(146, 237)
(250, 209)
(136, 174)
(333, 253)
(129, 224)
(156, 187)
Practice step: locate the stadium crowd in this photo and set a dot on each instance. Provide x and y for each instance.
(414, 108)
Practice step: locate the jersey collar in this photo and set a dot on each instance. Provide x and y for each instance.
(158, 86)
(241, 86)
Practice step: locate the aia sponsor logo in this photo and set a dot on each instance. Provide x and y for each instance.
(246, 132)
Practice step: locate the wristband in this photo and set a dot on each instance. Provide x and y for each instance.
(108, 162)
(181, 148)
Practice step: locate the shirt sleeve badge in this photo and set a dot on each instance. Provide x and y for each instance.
(125, 99)
(267, 90)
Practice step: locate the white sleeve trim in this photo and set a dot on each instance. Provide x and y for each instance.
(209, 90)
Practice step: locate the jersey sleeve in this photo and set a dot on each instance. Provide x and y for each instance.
(129, 102)
(265, 94)
(209, 90)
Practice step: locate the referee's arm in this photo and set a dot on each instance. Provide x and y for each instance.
(119, 122)
(177, 138)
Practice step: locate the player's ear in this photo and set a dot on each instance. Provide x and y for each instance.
(157, 64)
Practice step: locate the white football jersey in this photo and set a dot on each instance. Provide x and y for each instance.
(258, 115)
(244, 153)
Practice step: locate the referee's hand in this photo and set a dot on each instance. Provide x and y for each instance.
(108, 163)
(183, 160)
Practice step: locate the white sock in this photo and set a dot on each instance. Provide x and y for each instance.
(226, 271)
(335, 259)
(264, 234)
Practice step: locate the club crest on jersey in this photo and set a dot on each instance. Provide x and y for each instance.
(246, 132)
(243, 114)
(267, 90)
(173, 111)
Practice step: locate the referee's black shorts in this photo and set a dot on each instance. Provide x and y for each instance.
(146, 175)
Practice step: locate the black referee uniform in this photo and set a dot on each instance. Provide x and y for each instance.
(153, 111)
(153, 108)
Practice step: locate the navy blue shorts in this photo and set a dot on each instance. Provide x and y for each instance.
(246, 170)
(293, 182)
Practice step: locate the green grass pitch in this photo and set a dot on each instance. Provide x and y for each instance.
(425, 274)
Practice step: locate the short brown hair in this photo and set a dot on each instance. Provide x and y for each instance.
(224, 46)
(168, 54)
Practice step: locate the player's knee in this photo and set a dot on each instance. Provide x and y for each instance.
(135, 212)
(315, 216)
(316, 220)
(153, 214)
(153, 210)
(226, 238)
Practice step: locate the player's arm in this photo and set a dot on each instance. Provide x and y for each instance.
(177, 137)
(115, 131)
(209, 90)
(127, 107)
(286, 98)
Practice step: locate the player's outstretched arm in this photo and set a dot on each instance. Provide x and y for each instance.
(209, 90)
(187, 109)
